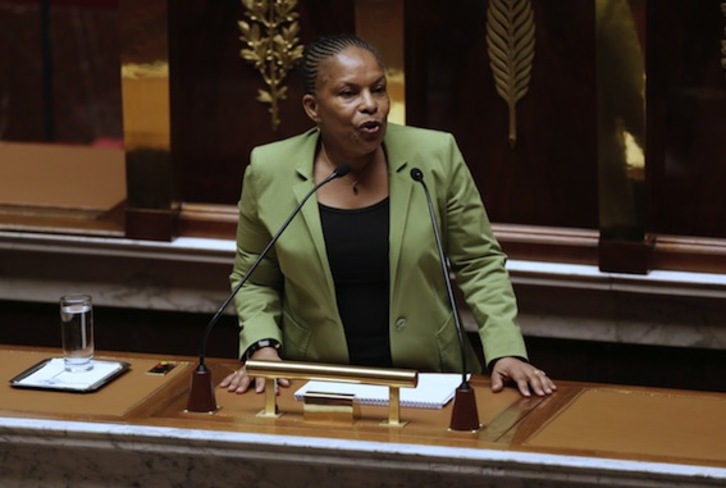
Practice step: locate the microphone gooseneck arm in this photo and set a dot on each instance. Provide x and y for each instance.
(339, 172)
(417, 175)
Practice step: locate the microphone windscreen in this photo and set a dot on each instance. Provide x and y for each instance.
(417, 174)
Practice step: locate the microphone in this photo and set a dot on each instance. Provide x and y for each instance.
(201, 394)
(464, 415)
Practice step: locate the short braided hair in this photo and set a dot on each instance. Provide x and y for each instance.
(323, 47)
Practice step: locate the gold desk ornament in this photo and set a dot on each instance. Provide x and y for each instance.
(393, 378)
(272, 46)
(510, 46)
(330, 407)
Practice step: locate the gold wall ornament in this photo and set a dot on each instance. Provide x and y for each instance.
(510, 45)
(271, 40)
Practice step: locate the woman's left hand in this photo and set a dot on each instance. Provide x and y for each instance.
(527, 377)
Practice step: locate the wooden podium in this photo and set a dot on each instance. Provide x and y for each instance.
(135, 432)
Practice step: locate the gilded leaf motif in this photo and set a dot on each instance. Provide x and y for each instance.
(272, 46)
(264, 96)
(510, 46)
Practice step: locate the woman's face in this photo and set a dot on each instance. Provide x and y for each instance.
(350, 104)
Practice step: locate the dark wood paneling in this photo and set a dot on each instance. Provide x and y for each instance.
(690, 254)
(216, 120)
(153, 225)
(67, 90)
(180, 333)
(630, 364)
(556, 244)
(686, 118)
(118, 329)
(550, 177)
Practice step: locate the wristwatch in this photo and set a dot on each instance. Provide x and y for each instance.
(259, 345)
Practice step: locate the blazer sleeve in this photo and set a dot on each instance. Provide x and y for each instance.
(258, 302)
(479, 263)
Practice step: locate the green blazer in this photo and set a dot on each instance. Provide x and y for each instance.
(291, 295)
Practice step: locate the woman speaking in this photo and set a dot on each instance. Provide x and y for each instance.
(356, 278)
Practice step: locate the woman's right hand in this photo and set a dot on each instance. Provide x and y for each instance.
(240, 381)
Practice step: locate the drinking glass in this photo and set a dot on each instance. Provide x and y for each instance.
(76, 313)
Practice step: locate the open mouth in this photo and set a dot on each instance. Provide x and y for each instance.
(371, 127)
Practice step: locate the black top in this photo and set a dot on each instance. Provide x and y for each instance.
(357, 245)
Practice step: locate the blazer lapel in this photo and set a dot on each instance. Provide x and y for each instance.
(400, 189)
(310, 213)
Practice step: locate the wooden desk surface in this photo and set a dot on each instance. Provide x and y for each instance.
(616, 422)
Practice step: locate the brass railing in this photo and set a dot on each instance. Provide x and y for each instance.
(393, 378)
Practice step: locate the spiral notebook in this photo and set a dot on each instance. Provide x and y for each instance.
(434, 391)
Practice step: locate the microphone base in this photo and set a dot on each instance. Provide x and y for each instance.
(201, 392)
(465, 416)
